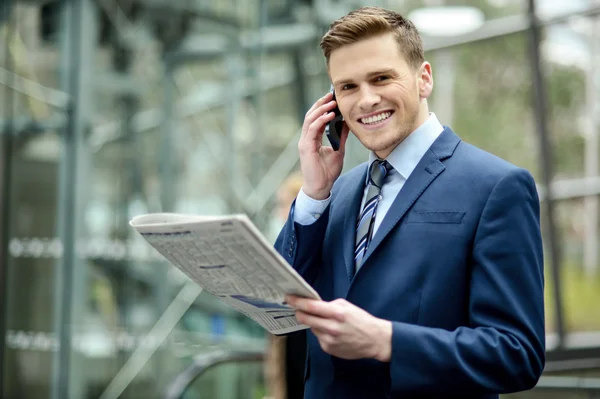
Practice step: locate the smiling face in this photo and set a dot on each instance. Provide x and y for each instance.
(382, 98)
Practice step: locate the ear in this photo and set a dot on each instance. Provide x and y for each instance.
(425, 80)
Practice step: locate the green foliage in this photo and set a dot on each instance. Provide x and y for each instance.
(566, 107)
(493, 104)
(581, 297)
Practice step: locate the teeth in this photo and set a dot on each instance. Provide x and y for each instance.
(376, 118)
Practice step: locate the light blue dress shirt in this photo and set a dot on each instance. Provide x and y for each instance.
(404, 158)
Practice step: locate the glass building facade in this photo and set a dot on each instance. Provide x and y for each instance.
(114, 108)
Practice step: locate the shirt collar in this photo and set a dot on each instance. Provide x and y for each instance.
(405, 157)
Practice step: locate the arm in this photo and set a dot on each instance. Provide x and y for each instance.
(503, 348)
(301, 240)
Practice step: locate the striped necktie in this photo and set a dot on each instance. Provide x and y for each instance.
(364, 227)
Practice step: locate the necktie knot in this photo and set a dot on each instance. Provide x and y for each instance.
(378, 170)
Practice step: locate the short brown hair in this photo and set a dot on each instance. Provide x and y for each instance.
(367, 22)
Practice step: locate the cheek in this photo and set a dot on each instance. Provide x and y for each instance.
(347, 103)
(344, 109)
(347, 114)
(353, 125)
(405, 91)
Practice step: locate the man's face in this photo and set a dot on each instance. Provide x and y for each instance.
(378, 93)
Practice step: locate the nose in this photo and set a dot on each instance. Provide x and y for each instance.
(368, 98)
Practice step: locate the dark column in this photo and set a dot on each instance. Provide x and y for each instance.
(6, 137)
(545, 147)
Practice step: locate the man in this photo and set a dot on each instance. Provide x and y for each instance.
(428, 257)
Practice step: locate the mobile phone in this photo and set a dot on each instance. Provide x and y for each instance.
(333, 130)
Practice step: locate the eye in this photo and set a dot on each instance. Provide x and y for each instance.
(348, 86)
(381, 78)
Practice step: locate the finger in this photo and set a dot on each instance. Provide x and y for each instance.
(316, 114)
(327, 97)
(323, 337)
(316, 129)
(327, 326)
(291, 298)
(314, 307)
(319, 333)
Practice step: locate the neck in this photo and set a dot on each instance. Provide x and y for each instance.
(423, 114)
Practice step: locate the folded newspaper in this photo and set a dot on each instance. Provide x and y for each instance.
(228, 257)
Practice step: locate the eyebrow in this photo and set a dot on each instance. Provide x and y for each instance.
(369, 75)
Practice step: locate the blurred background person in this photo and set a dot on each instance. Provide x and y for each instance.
(283, 201)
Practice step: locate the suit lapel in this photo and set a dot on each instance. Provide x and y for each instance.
(427, 170)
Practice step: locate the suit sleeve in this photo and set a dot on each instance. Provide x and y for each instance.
(503, 348)
(301, 245)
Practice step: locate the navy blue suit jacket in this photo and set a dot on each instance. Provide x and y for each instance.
(456, 265)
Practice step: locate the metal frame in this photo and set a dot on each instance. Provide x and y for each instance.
(540, 105)
(507, 26)
(204, 363)
(47, 95)
(78, 36)
(560, 383)
(5, 180)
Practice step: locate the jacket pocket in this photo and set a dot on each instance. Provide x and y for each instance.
(443, 217)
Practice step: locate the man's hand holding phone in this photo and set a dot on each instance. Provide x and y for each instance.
(320, 165)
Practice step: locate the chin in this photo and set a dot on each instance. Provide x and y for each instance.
(378, 141)
(380, 146)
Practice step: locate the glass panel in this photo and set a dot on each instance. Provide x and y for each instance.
(571, 54)
(32, 114)
(123, 288)
(580, 286)
(483, 92)
(34, 252)
(566, 59)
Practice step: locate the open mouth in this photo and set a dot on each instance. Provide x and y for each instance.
(376, 119)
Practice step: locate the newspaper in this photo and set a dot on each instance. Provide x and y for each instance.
(228, 257)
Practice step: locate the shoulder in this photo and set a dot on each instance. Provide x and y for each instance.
(485, 173)
(479, 165)
(348, 180)
(481, 161)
